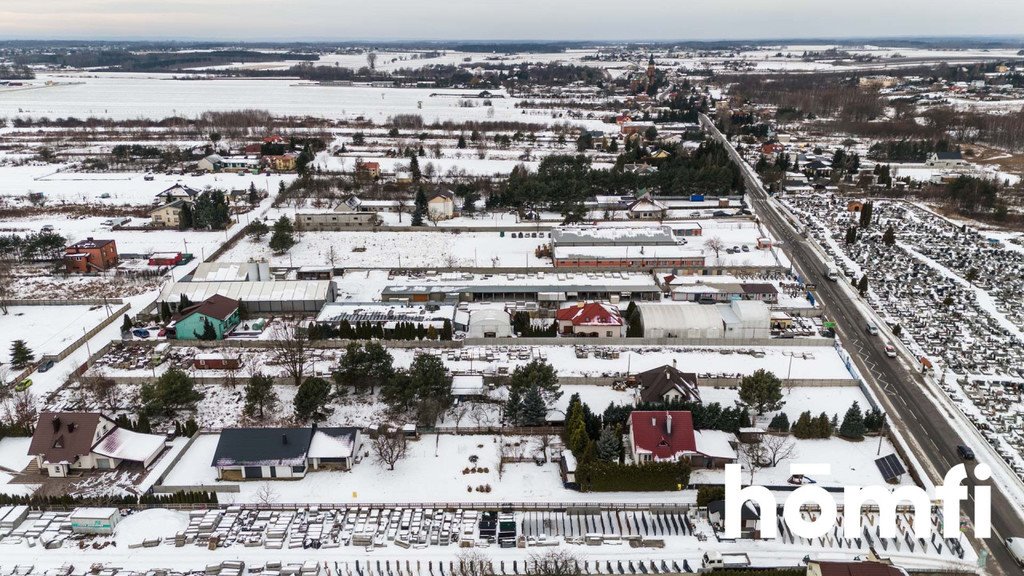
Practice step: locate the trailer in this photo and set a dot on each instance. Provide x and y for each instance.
(94, 520)
(725, 561)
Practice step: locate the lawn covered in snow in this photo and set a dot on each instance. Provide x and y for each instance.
(47, 329)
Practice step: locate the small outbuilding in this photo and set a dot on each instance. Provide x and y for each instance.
(489, 323)
(94, 520)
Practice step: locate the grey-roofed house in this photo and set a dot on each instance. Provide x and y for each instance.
(284, 453)
(667, 384)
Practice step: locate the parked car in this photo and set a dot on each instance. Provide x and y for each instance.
(46, 366)
(1016, 548)
(890, 350)
(140, 333)
(965, 452)
(47, 228)
(23, 385)
(745, 248)
(148, 177)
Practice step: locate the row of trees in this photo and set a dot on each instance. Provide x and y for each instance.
(34, 247)
(368, 331)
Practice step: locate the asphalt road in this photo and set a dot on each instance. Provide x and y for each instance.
(900, 387)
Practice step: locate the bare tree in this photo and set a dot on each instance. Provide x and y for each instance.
(777, 448)
(265, 494)
(105, 392)
(21, 409)
(458, 412)
(715, 244)
(478, 414)
(371, 60)
(473, 562)
(752, 456)
(545, 443)
(401, 206)
(291, 350)
(554, 563)
(389, 446)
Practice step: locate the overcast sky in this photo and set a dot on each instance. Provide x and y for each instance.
(503, 19)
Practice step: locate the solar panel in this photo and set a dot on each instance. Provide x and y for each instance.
(890, 467)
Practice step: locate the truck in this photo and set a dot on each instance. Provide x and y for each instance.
(831, 274)
(725, 561)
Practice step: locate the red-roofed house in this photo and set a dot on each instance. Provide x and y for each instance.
(668, 436)
(591, 320)
(90, 255)
(368, 169)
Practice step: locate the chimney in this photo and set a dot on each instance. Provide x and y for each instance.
(668, 423)
(56, 423)
(674, 362)
(284, 438)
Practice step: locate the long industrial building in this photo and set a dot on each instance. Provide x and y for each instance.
(259, 297)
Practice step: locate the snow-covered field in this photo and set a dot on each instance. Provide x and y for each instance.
(128, 96)
(47, 329)
(60, 184)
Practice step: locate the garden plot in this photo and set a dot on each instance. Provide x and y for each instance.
(421, 249)
(816, 362)
(47, 329)
(61, 184)
(128, 241)
(851, 463)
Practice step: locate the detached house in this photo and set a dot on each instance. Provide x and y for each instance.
(947, 160)
(646, 207)
(67, 441)
(222, 312)
(668, 436)
(168, 215)
(90, 255)
(591, 320)
(441, 204)
(284, 453)
(177, 192)
(667, 384)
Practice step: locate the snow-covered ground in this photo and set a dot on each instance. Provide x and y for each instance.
(127, 96)
(47, 329)
(60, 184)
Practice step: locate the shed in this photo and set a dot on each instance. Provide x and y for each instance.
(94, 520)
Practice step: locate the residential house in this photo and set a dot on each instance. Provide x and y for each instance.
(441, 205)
(668, 436)
(90, 255)
(591, 320)
(168, 215)
(632, 127)
(646, 207)
(211, 163)
(666, 384)
(218, 163)
(947, 160)
(280, 162)
(220, 311)
(283, 453)
(177, 192)
(66, 441)
(368, 170)
(762, 291)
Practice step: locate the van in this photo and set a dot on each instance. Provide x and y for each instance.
(1016, 548)
(832, 275)
(872, 329)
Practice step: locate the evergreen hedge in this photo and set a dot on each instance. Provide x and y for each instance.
(600, 476)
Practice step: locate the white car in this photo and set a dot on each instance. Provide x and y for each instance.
(1016, 548)
(890, 350)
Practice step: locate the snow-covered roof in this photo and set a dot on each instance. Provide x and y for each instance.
(326, 445)
(680, 315)
(277, 291)
(467, 385)
(127, 445)
(715, 443)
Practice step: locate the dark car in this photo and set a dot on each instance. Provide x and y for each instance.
(140, 333)
(965, 452)
(46, 366)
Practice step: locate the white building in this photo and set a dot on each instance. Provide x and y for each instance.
(489, 323)
(681, 320)
(746, 319)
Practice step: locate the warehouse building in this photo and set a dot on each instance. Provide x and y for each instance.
(385, 315)
(739, 319)
(545, 289)
(261, 297)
